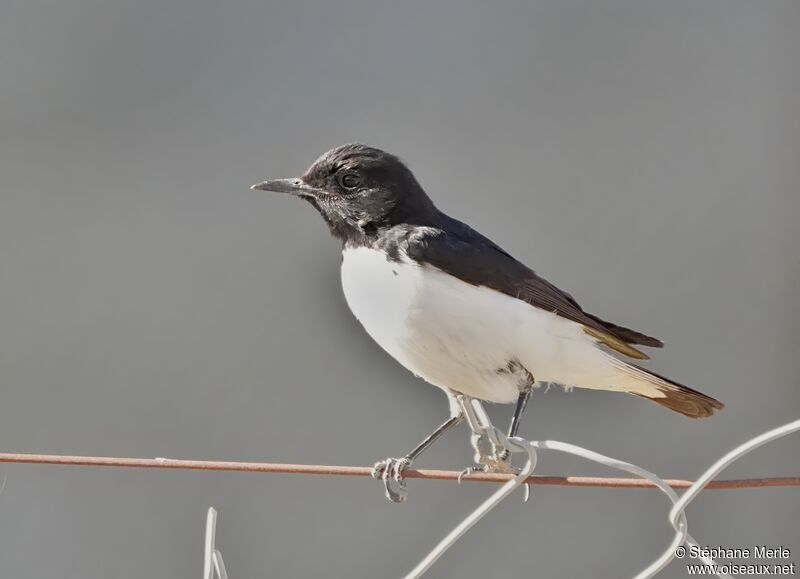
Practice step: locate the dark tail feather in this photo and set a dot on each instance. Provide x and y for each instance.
(680, 398)
(627, 335)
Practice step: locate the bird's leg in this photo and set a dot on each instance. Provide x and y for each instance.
(522, 402)
(519, 409)
(390, 470)
(490, 450)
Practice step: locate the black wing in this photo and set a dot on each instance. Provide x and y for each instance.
(466, 254)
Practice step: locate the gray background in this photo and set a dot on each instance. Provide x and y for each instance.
(642, 155)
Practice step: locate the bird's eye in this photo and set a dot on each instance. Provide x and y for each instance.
(349, 180)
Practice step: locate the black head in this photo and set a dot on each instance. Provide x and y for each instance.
(359, 191)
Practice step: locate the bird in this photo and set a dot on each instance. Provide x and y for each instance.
(459, 311)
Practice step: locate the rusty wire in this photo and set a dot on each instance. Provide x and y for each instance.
(363, 471)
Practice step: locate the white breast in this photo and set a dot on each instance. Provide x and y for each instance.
(460, 337)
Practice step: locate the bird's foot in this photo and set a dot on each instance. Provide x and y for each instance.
(471, 470)
(390, 471)
(491, 453)
(504, 458)
(499, 463)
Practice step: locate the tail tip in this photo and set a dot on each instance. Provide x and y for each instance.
(689, 402)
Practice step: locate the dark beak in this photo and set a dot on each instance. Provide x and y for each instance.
(294, 186)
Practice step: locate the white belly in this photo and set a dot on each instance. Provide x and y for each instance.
(461, 337)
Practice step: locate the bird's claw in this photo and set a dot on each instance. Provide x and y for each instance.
(502, 466)
(390, 471)
(471, 470)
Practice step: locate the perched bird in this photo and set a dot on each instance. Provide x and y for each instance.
(455, 308)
